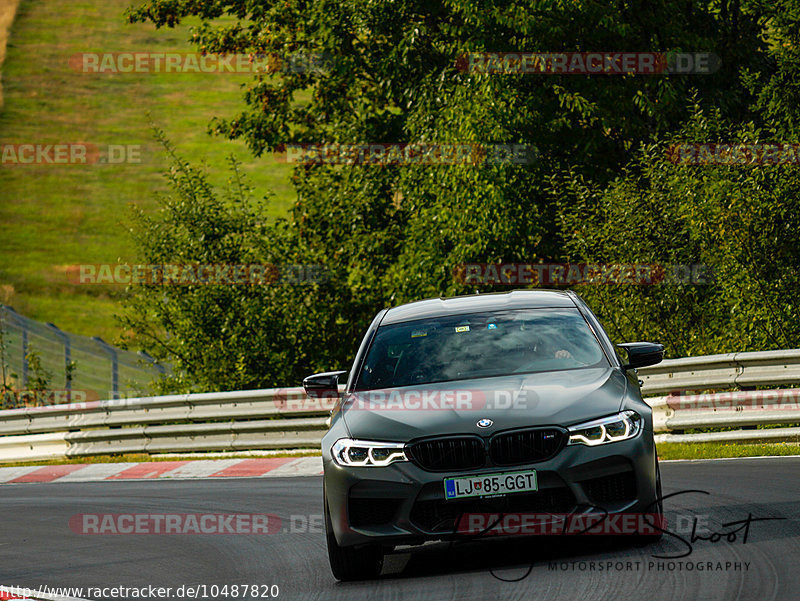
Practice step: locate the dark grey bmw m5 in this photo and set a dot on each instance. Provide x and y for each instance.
(496, 404)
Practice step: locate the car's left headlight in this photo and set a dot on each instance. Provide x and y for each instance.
(613, 428)
(365, 453)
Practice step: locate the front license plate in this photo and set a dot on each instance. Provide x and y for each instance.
(490, 484)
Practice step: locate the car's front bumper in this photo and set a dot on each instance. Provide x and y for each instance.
(404, 504)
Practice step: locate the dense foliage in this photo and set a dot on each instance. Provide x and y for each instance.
(602, 189)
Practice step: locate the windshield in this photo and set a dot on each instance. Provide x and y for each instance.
(479, 345)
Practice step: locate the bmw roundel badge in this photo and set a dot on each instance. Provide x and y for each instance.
(485, 423)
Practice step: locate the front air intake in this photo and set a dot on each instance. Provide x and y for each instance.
(448, 454)
(526, 446)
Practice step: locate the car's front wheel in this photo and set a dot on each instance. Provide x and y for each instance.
(351, 563)
(658, 509)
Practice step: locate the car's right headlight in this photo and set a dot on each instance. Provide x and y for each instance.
(365, 453)
(613, 428)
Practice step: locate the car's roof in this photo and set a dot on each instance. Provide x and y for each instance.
(476, 303)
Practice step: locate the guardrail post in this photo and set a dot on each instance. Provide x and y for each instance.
(24, 329)
(24, 358)
(67, 358)
(752, 427)
(20, 322)
(112, 352)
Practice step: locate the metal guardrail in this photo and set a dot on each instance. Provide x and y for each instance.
(744, 408)
(285, 419)
(765, 368)
(225, 421)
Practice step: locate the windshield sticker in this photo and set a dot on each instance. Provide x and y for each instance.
(491, 326)
(462, 328)
(419, 333)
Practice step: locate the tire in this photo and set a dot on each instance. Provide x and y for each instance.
(351, 563)
(643, 540)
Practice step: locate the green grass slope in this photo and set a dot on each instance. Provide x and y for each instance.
(52, 216)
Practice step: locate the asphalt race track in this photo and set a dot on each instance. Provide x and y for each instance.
(38, 548)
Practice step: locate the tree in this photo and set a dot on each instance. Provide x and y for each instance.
(740, 221)
(397, 233)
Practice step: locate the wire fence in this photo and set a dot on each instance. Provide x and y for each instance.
(40, 365)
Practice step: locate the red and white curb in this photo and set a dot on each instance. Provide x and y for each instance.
(164, 470)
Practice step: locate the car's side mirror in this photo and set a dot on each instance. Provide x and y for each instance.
(642, 354)
(324, 385)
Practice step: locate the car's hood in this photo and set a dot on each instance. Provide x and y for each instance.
(549, 398)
